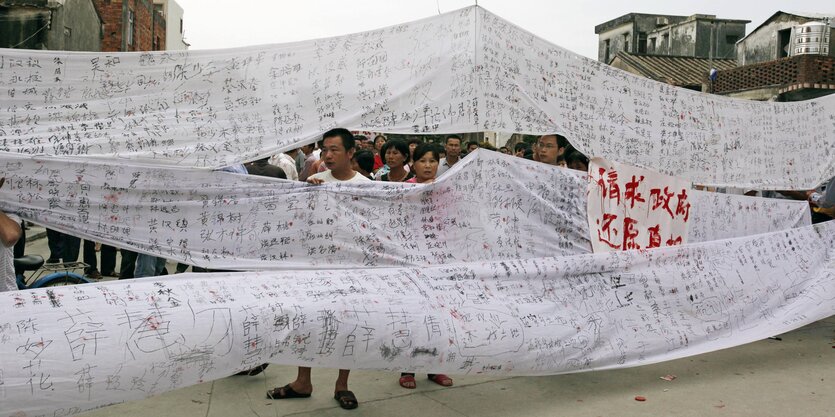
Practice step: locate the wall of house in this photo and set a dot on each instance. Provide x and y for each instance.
(174, 31)
(762, 45)
(725, 36)
(613, 39)
(634, 31)
(693, 38)
(149, 26)
(24, 27)
(69, 25)
(75, 27)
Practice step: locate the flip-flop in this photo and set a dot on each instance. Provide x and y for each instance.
(441, 380)
(406, 379)
(285, 392)
(346, 399)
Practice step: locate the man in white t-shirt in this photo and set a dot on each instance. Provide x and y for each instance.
(338, 146)
(452, 147)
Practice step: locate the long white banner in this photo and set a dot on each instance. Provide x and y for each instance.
(82, 347)
(463, 71)
(488, 206)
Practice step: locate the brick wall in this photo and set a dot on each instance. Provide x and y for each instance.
(148, 25)
(801, 69)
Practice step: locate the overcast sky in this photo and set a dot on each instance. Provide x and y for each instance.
(211, 24)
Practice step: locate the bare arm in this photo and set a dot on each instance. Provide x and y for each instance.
(9, 230)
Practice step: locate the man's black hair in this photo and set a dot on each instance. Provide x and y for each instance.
(562, 142)
(452, 137)
(345, 135)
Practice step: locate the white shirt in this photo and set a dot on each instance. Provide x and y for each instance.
(8, 281)
(443, 166)
(328, 177)
(287, 164)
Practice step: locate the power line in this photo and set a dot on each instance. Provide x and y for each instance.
(31, 36)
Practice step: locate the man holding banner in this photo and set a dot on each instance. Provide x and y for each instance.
(337, 151)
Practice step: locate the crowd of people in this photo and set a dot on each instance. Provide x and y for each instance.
(339, 156)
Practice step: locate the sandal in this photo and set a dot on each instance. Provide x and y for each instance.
(285, 392)
(408, 381)
(441, 379)
(346, 399)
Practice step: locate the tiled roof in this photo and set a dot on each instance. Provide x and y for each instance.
(675, 70)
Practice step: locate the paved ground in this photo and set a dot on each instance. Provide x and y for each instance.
(794, 376)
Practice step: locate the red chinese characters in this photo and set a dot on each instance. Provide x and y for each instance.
(632, 208)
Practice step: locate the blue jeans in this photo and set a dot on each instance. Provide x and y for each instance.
(148, 266)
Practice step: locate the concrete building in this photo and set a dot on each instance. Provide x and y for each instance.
(789, 57)
(696, 36)
(131, 25)
(773, 38)
(66, 25)
(174, 33)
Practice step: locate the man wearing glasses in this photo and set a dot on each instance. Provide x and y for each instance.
(549, 148)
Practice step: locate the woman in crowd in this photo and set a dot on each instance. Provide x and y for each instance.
(425, 166)
(396, 155)
(379, 141)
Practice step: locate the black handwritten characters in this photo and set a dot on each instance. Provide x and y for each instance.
(487, 270)
(463, 71)
(115, 341)
(489, 206)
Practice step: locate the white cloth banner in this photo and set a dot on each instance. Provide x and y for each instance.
(462, 71)
(633, 208)
(82, 347)
(489, 206)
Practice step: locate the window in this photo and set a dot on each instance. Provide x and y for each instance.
(181, 26)
(652, 44)
(665, 40)
(130, 28)
(642, 42)
(731, 39)
(783, 42)
(606, 45)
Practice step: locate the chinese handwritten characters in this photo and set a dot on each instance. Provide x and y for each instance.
(115, 341)
(633, 208)
(463, 71)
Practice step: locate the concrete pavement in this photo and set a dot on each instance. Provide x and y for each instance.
(794, 376)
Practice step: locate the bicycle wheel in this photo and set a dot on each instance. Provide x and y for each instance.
(59, 279)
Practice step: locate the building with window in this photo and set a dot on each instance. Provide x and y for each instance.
(788, 57)
(174, 32)
(131, 25)
(695, 36)
(63, 25)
